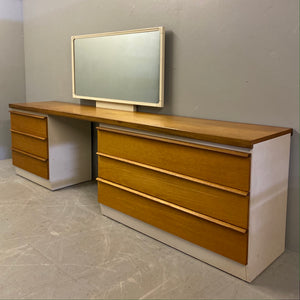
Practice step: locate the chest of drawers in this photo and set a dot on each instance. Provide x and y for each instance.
(51, 151)
(220, 204)
(30, 143)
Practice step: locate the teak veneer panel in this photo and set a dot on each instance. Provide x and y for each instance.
(29, 144)
(214, 166)
(220, 204)
(29, 123)
(223, 132)
(222, 240)
(31, 164)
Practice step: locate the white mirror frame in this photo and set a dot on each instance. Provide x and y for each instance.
(160, 102)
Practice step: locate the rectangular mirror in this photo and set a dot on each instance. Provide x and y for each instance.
(122, 67)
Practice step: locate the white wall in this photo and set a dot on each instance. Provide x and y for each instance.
(231, 60)
(12, 76)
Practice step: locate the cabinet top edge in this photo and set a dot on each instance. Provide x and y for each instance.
(222, 132)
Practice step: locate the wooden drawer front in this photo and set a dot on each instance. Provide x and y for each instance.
(219, 239)
(28, 123)
(213, 166)
(29, 144)
(220, 204)
(31, 164)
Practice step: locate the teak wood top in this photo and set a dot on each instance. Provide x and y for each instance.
(222, 132)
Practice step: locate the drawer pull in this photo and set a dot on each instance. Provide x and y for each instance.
(30, 155)
(185, 210)
(28, 134)
(28, 115)
(203, 182)
(171, 141)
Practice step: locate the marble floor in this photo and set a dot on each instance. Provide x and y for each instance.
(57, 245)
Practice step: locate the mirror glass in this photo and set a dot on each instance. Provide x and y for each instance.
(122, 67)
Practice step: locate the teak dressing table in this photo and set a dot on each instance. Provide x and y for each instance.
(213, 189)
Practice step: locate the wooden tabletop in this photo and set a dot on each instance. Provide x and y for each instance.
(223, 132)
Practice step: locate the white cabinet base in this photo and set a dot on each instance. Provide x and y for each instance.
(47, 183)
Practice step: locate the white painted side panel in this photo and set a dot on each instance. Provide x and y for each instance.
(69, 151)
(268, 201)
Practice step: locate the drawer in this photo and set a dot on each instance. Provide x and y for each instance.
(31, 163)
(217, 238)
(32, 145)
(222, 204)
(28, 123)
(216, 165)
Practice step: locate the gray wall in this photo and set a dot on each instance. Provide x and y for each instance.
(231, 60)
(12, 76)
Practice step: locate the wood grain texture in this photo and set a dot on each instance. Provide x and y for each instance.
(177, 142)
(29, 144)
(175, 206)
(221, 168)
(30, 164)
(219, 239)
(219, 204)
(28, 123)
(31, 115)
(223, 132)
(177, 175)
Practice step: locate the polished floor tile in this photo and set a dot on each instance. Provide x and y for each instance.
(57, 245)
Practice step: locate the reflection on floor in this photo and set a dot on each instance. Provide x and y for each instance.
(57, 245)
